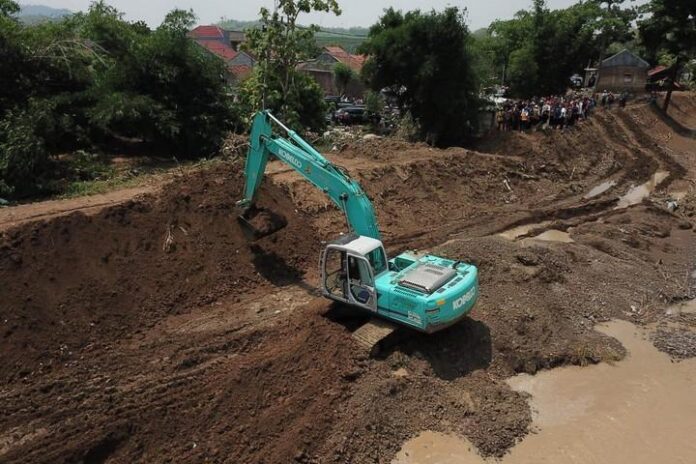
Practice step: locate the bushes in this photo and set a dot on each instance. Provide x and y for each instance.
(95, 78)
(24, 159)
(424, 59)
(302, 108)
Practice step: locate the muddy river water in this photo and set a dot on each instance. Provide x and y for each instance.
(641, 410)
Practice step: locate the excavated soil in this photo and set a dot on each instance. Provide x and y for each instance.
(153, 331)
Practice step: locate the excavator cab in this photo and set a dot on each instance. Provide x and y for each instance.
(349, 267)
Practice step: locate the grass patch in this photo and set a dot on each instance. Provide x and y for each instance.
(94, 187)
(106, 178)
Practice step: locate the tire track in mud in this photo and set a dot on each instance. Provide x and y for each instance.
(646, 158)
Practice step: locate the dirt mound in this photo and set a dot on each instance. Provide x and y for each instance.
(246, 396)
(79, 280)
(381, 148)
(683, 109)
(153, 331)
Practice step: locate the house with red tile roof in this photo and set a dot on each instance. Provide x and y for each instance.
(659, 78)
(208, 33)
(220, 49)
(322, 70)
(335, 54)
(226, 45)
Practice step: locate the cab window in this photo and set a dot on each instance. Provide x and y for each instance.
(377, 260)
(359, 271)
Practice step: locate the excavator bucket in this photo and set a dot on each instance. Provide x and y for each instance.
(258, 223)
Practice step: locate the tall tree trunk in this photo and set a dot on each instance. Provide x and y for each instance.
(672, 80)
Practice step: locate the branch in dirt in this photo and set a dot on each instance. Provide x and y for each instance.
(523, 175)
(168, 245)
(235, 146)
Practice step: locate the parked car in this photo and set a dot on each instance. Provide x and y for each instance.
(331, 99)
(351, 115)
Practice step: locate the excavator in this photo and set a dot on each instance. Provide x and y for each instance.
(421, 291)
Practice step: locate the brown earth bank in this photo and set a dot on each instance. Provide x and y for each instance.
(152, 331)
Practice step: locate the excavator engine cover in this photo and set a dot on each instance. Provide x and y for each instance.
(427, 278)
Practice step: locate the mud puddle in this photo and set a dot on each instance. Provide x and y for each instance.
(638, 193)
(641, 410)
(517, 232)
(553, 235)
(600, 189)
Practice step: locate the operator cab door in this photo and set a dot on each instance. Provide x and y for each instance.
(361, 283)
(334, 267)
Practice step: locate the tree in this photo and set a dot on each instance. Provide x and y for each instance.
(523, 71)
(166, 90)
(613, 25)
(539, 49)
(8, 8)
(424, 59)
(302, 108)
(343, 76)
(14, 67)
(374, 102)
(670, 25)
(87, 80)
(280, 45)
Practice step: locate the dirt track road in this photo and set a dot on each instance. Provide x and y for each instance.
(151, 331)
(31, 212)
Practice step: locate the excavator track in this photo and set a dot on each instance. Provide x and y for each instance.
(369, 335)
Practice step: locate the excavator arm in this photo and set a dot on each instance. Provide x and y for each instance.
(334, 181)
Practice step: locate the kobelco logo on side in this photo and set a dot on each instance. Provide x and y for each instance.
(464, 299)
(291, 159)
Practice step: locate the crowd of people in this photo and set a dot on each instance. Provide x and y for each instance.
(556, 112)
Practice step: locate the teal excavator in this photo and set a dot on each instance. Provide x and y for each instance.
(425, 292)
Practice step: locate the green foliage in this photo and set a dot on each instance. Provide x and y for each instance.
(407, 128)
(343, 76)
(424, 58)
(539, 49)
(347, 38)
(280, 44)
(374, 102)
(24, 158)
(168, 91)
(523, 71)
(668, 28)
(93, 78)
(665, 58)
(8, 8)
(302, 108)
(486, 62)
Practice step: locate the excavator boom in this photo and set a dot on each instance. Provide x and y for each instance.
(347, 194)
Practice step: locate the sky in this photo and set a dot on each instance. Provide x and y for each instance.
(355, 12)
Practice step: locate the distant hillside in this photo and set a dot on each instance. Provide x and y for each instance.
(348, 38)
(31, 14)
